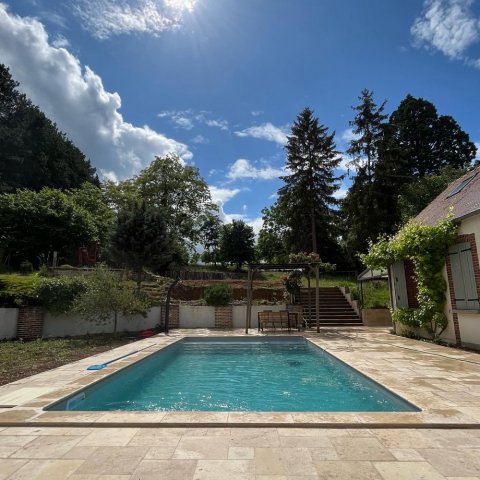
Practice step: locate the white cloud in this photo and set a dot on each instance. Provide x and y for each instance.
(74, 97)
(223, 195)
(109, 175)
(187, 119)
(200, 139)
(448, 26)
(256, 113)
(105, 18)
(220, 196)
(348, 135)
(477, 144)
(221, 124)
(242, 168)
(256, 224)
(340, 193)
(60, 42)
(266, 131)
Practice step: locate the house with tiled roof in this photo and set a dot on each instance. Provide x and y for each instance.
(462, 269)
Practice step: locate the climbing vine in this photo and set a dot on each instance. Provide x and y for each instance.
(426, 246)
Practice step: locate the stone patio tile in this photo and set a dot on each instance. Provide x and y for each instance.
(13, 416)
(341, 470)
(195, 417)
(248, 417)
(9, 466)
(160, 453)
(149, 437)
(47, 447)
(401, 438)
(109, 437)
(66, 418)
(113, 461)
(98, 477)
(322, 454)
(39, 431)
(270, 461)
(218, 431)
(458, 462)
(306, 442)
(129, 417)
(46, 470)
(361, 449)
(224, 469)
(207, 448)
(272, 477)
(406, 455)
(254, 437)
(241, 453)
(313, 432)
(298, 461)
(80, 453)
(16, 440)
(408, 470)
(165, 470)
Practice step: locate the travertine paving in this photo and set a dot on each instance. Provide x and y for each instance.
(441, 441)
(46, 453)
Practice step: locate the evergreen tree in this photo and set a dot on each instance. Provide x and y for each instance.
(33, 152)
(141, 240)
(237, 243)
(363, 208)
(307, 198)
(427, 141)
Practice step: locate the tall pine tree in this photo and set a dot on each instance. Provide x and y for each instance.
(307, 198)
(363, 209)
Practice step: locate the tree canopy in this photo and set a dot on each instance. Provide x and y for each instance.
(141, 240)
(237, 243)
(176, 189)
(307, 197)
(33, 152)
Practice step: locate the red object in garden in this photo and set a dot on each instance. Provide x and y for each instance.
(147, 333)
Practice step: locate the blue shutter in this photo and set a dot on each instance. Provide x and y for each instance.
(463, 276)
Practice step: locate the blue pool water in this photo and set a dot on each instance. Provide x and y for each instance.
(239, 374)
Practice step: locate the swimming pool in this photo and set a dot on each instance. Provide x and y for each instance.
(281, 374)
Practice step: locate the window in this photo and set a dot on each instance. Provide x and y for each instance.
(461, 186)
(463, 277)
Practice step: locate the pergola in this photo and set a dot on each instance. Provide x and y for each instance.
(281, 267)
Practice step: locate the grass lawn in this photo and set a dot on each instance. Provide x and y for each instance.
(22, 359)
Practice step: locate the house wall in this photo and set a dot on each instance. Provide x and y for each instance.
(463, 326)
(467, 323)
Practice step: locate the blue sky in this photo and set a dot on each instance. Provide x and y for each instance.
(220, 81)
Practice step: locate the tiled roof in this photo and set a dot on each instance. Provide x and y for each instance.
(465, 202)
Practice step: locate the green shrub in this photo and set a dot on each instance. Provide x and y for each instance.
(17, 290)
(57, 294)
(217, 295)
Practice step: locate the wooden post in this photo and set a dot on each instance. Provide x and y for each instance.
(248, 319)
(317, 295)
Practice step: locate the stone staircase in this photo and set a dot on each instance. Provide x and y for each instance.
(335, 311)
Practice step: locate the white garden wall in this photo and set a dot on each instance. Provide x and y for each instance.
(198, 316)
(71, 325)
(8, 322)
(74, 325)
(240, 314)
